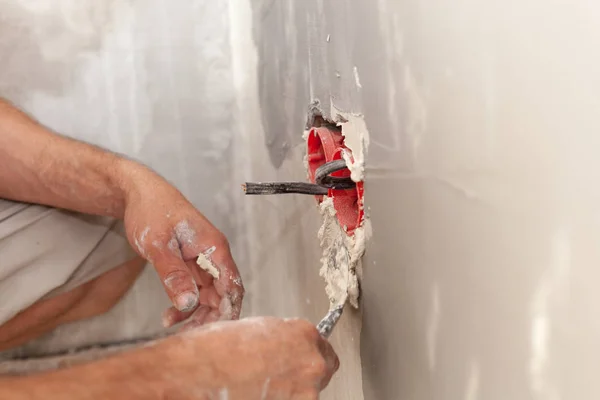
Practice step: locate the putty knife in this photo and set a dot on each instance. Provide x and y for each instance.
(327, 324)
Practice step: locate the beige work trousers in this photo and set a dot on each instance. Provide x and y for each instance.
(46, 251)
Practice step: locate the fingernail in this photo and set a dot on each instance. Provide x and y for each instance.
(186, 301)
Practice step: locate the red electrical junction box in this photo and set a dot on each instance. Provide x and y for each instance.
(325, 145)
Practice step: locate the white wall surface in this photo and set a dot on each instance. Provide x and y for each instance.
(482, 183)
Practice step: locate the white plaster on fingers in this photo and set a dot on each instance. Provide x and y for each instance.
(252, 325)
(221, 394)
(173, 245)
(265, 390)
(237, 281)
(230, 305)
(225, 309)
(205, 262)
(144, 234)
(185, 233)
(224, 394)
(140, 241)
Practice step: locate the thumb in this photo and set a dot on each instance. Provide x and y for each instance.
(176, 277)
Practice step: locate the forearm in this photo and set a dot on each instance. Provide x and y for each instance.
(149, 372)
(65, 384)
(38, 166)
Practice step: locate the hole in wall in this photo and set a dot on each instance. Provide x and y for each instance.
(325, 143)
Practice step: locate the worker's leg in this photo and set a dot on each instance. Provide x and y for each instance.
(58, 267)
(85, 301)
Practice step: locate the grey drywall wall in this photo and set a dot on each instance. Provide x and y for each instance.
(480, 281)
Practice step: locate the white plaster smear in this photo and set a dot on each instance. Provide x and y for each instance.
(342, 253)
(356, 138)
(341, 257)
(206, 263)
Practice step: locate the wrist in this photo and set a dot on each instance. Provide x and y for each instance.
(128, 177)
(137, 183)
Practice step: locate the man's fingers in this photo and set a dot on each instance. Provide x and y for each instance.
(172, 316)
(201, 277)
(177, 279)
(212, 316)
(201, 238)
(229, 284)
(180, 286)
(198, 319)
(209, 297)
(228, 289)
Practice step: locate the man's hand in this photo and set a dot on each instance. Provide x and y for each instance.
(250, 359)
(264, 358)
(169, 232)
(254, 358)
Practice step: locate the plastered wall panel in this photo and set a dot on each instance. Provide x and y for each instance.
(479, 279)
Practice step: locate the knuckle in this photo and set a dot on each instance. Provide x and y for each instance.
(319, 367)
(241, 290)
(220, 240)
(312, 333)
(177, 280)
(336, 363)
(305, 327)
(237, 298)
(176, 274)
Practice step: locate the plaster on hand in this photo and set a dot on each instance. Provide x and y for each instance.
(206, 263)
